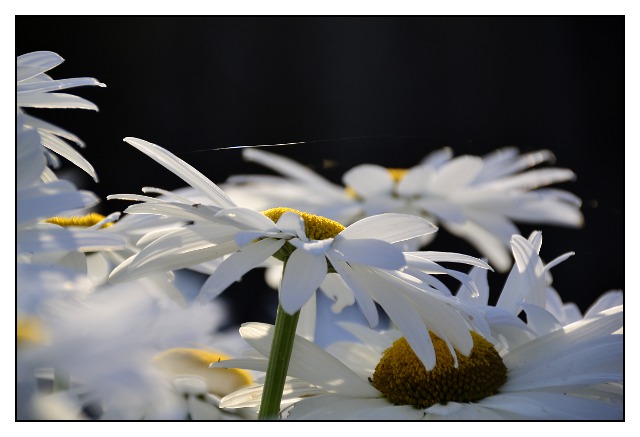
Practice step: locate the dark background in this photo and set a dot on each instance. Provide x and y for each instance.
(383, 90)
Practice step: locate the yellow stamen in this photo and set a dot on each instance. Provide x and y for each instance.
(29, 331)
(397, 174)
(195, 362)
(84, 221)
(403, 379)
(315, 226)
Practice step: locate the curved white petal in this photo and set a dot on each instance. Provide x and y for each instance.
(57, 239)
(33, 63)
(360, 292)
(183, 170)
(292, 223)
(54, 100)
(246, 219)
(368, 180)
(303, 274)
(370, 252)
(310, 363)
(390, 227)
(239, 263)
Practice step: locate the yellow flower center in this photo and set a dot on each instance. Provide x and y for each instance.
(403, 379)
(397, 174)
(29, 330)
(83, 221)
(315, 226)
(187, 362)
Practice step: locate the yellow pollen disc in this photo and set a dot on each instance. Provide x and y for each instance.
(29, 331)
(397, 174)
(84, 221)
(403, 379)
(195, 362)
(315, 226)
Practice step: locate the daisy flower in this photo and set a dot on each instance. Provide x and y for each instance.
(544, 369)
(363, 255)
(476, 198)
(36, 89)
(117, 350)
(574, 373)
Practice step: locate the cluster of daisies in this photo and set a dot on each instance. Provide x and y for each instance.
(109, 326)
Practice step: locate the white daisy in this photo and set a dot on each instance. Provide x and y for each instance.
(574, 373)
(107, 344)
(476, 198)
(35, 89)
(547, 369)
(363, 255)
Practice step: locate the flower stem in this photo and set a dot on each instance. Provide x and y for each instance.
(279, 356)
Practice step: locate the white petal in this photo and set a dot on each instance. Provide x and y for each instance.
(310, 363)
(303, 274)
(56, 85)
(552, 406)
(375, 253)
(485, 242)
(368, 180)
(526, 281)
(389, 227)
(239, 263)
(316, 247)
(338, 291)
(540, 320)
(57, 239)
(246, 219)
(172, 258)
(183, 170)
(306, 327)
(54, 100)
(448, 257)
(341, 408)
(360, 292)
(195, 212)
(438, 157)
(414, 181)
(608, 300)
(401, 312)
(456, 173)
(444, 209)
(34, 63)
(292, 223)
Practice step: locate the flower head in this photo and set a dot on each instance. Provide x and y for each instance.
(364, 255)
(542, 369)
(574, 373)
(476, 198)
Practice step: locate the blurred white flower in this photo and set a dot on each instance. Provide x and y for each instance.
(35, 89)
(476, 198)
(363, 255)
(106, 344)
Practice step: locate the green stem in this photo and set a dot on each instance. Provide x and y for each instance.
(281, 347)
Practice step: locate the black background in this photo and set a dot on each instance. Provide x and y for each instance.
(384, 89)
